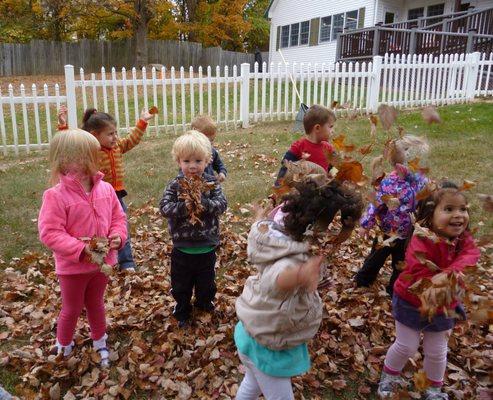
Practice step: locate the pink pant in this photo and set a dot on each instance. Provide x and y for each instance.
(79, 291)
(406, 344)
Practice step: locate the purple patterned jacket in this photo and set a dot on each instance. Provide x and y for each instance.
(398, 220)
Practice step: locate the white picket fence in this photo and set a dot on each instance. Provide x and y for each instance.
(236, 98)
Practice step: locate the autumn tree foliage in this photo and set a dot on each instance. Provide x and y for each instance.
(237, 25)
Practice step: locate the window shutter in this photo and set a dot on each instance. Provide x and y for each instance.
(361, 18)
(278, 38)
(314, 28)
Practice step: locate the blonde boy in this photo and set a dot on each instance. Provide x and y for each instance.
(194, 245)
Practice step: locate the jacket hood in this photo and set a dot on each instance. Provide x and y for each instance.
(267, 244)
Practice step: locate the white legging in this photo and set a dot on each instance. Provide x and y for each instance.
(256, 383)
(406, 344)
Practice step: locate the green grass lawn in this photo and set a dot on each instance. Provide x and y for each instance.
(462, 148)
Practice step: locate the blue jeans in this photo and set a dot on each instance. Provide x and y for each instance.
(125, 257)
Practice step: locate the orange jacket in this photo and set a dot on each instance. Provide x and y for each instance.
(111, 160)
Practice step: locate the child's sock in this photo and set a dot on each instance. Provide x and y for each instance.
(100, 346)
(67, 350)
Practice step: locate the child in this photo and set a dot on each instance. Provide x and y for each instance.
(401, 185)
(318, 123)
(103, 127)
(193, 257)
(280, 309)
(445, 213)
(206, 125)
(79, 205)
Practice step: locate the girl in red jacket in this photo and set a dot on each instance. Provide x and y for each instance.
(450, 247)
(80, 205)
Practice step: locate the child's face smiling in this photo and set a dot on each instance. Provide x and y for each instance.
(450, 218)
(192, 164)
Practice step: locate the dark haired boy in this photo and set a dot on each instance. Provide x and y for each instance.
(314, 146)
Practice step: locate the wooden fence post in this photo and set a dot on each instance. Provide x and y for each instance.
(245, 95)
(70, 92)
(374, 89)
(472, 66)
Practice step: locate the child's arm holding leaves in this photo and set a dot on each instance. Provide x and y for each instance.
(170, 205)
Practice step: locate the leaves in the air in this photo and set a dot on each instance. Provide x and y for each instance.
(340, 145)
(487, 201)
(467, 185)
(430, 115)
(388, 116)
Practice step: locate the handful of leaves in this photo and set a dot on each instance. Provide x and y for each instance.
(99, 248)
(191, 192)
(436, 294)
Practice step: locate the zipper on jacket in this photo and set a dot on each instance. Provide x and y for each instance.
(112, 166)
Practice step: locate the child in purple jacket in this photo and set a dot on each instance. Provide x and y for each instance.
(394, 203)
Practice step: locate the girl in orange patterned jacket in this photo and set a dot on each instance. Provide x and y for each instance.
(103, 127)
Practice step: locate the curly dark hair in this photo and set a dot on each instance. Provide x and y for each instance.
(95, 121)
(313, 205)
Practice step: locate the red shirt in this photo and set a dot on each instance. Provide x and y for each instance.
(455, 256)
(318, 151)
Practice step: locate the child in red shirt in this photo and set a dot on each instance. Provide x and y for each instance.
(314, 146)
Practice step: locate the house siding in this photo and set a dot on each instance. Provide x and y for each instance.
(287, 12)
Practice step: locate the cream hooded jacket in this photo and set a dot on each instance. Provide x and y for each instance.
(276, 319)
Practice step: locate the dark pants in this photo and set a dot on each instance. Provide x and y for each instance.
(375, 260)
(189, 271)
(125, 257)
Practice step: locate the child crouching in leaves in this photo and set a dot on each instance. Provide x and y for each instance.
(280, 309)
(195, 233)
(447, 248)
(394, 220)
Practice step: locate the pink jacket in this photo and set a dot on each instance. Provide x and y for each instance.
(68, 213)
(455, 256)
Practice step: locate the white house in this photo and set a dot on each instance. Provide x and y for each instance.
(307, 31)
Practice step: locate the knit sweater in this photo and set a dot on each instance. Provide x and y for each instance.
(111, 160)
(183, 233)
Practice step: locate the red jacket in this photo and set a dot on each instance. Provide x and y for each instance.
(455, 256)
(68, 214)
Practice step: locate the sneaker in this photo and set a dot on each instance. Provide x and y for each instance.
(183, 324)
(206, 307)
(435, 393)
(59, 349)
(129, 270)
(388, 385)
(100, 347)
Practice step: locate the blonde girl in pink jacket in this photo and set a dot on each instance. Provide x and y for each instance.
(79, 205)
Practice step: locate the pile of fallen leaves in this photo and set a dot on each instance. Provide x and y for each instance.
(150, 356)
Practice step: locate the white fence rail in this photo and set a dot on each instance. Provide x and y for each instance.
(236, 98)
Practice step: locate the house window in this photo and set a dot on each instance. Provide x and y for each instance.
(325, 24)
(436, 9)
(337, 25)
(416, 13)
(285, 36)
(295, 33)
(305, 32)
(351, 20)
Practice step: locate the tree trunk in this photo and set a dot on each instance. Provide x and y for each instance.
(191, 17)
(143, 15)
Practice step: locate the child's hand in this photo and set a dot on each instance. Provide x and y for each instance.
(309, 273)
(146, 115)
(115, 242)
(62, 117)
(221, 177)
